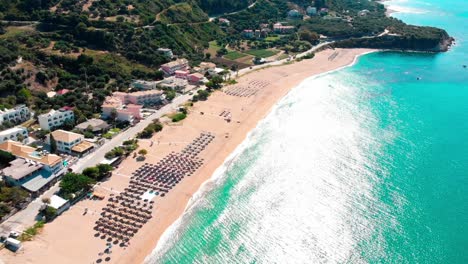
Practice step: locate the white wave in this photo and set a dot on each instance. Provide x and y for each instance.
(335, 243)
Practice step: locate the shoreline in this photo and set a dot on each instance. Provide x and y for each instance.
(247, 112)
(218, 173)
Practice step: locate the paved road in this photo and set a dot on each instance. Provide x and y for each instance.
(27, 217)
(280, 62)
(97, 156)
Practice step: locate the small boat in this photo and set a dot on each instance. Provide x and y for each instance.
(419, 78)
(464, 66)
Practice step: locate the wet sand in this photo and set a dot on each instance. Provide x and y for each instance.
(70, 238)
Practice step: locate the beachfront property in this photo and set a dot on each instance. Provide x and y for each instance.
(55, 118)
(59, 204)
(33, 170)
(311, 11)
(70, 143)
(124, 113)
(93, 125)
(18, 133)
(279, 28)
(174, 83)
(144, 85)
(151, 97)
(166, 53)
(19, 113)
(178, 65)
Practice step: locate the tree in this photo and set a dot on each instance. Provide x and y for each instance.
(104, 170)
(92, 172)
(49, 213)
(53, 143)
(14, 196)
(113, 114)
(170, 95)
(5, 158)
(42, 134)
(143, 152)
(73, 182)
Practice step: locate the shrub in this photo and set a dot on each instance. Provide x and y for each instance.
(178, 117)
(73, 183)
(49, 213)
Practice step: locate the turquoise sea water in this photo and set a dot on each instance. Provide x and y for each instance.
(363, 165)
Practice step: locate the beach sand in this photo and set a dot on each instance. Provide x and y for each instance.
(70, 238)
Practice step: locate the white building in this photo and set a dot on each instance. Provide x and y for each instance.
(166, 52)
(19, 113)
(311, 11)
(59, 204)
(15, 133)
(55, 118)
(69, 142)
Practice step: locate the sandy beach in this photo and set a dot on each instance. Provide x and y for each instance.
(71, 239)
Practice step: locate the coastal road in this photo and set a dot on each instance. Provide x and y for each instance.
(27, 217)
(280, 62)
(97, 156)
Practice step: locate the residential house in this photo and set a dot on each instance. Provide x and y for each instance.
(166, 52)
(171, 67)
(257, 33)
(248, 33)
(182, 74)
(205, 67)
(62, 92)
(15, 133)
(363, 12)
(128, 113)
(264, 32)
(323, 11)
(196, 78)
(18, 114)
(56, 118)
(151, 97)
(94, 124)
(173, 83)
(311, 11)
(224, 21)
(280, 29)
(294, 14)
(70, 143)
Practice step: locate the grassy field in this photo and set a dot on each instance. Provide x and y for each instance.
(272, 38)
(282, 57)
(116, 62)
(213, 48)
(12, 32)
(234, 55)
(262, 53)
